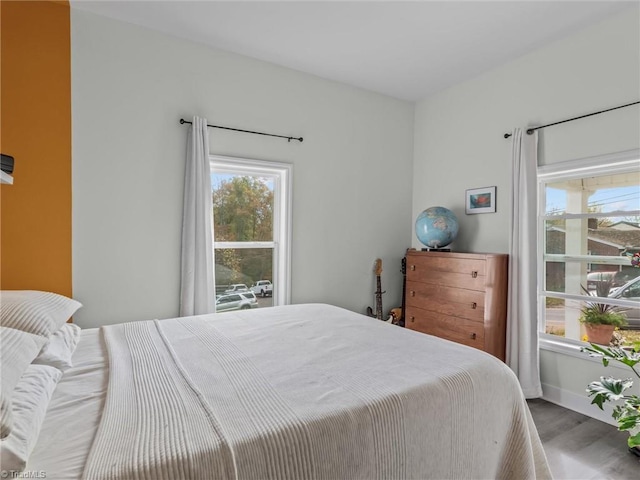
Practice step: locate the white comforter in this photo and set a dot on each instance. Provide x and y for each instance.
(308, 391)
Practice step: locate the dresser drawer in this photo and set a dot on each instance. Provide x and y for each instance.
(467, 332)
(464, 273)
(446, 264)
(456, 302)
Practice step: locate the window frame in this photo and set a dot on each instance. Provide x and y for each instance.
(282, 216)
(609, 164)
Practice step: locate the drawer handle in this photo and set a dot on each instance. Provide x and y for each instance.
(474, 274)
(412, 318)
(473, 336)
(413, 294)
(413, 267)
(474, 305)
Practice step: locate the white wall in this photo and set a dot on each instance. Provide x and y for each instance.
(130, 86)
(458, 135)
(459, 144)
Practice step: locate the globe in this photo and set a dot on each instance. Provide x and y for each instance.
(436, 227)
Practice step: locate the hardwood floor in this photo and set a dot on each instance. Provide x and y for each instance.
(580, 447)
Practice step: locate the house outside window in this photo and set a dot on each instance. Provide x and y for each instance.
(589, 226)
(252, 230)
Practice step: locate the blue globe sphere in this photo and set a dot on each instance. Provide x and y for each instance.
(436, 227)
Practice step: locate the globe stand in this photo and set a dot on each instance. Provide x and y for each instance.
(436, 249)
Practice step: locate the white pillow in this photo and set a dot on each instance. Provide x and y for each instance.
(17, 351)
(30, 401)
(57, 353)
(40, 313)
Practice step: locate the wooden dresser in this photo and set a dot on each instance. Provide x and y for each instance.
(459, 296)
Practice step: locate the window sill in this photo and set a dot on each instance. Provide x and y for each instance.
(564, 346)
(570, 348)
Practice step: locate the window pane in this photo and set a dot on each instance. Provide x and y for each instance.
(570, 242)
(242, 208)
(237, 268)
(562, 317)
(569, 277)
(596, 194)
(592, 236)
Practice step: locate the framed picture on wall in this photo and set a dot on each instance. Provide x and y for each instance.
(480, 200)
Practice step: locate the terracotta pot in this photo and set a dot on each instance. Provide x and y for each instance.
(599, 333)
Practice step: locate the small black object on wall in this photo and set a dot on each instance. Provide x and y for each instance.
(6, 163)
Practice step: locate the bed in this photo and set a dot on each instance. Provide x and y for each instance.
(301, 391)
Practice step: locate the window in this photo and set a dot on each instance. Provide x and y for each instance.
(252, 227)
(589, 224)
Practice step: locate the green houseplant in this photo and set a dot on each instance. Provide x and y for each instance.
(627, 410)
(601, 319)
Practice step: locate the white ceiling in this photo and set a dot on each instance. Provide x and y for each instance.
(407, 50)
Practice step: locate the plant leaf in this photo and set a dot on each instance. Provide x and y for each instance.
(627, 357)
(608, 389)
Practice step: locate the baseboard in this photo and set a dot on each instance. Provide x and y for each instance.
(577, 403)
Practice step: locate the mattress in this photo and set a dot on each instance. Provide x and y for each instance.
(304, 391)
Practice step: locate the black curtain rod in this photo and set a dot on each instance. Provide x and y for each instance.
(183, 121)
(531, 130)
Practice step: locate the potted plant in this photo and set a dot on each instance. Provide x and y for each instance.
(627, 411)
(601, 319)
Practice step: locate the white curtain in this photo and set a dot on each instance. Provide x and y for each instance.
(522, 317)
(197, 286)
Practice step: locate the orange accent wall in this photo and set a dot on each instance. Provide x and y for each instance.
(35, 128)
